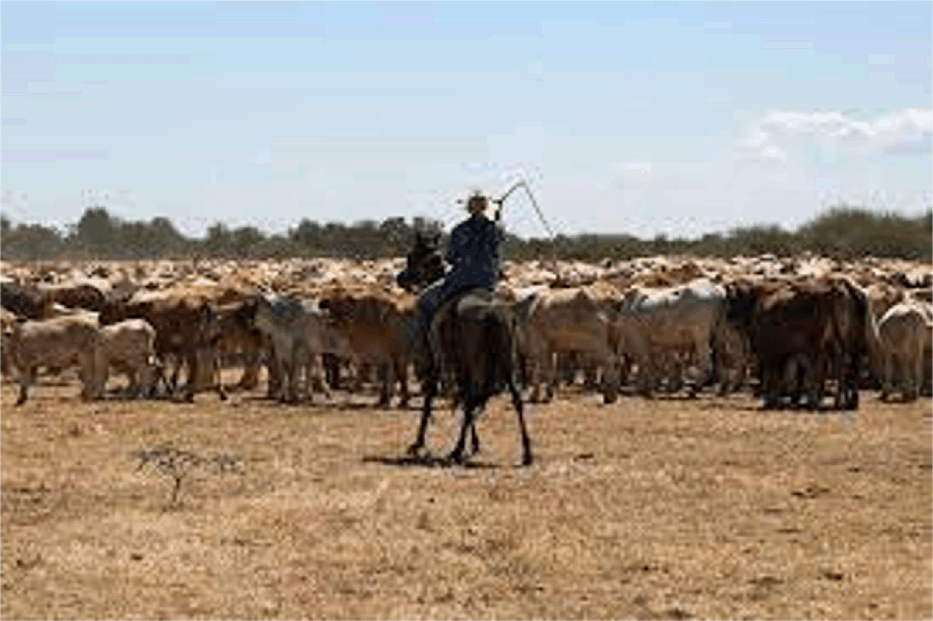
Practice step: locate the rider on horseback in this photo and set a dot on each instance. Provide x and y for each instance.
(474, 252)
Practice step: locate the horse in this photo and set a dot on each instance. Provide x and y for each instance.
(477, 347)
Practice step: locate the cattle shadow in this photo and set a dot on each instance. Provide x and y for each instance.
(428, 461)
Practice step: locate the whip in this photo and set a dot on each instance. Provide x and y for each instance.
(521, 183)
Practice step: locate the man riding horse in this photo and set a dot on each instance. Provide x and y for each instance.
(474, 253)
(458, 316)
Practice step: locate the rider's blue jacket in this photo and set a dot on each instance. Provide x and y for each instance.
(474, 252)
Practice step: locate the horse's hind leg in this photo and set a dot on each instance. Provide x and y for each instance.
(470, 406)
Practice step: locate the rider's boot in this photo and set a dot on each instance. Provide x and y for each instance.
(422, 354)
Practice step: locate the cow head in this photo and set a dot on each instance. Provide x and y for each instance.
(741, 298)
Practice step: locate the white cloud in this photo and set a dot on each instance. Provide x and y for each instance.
(783, 134)
(633, 175)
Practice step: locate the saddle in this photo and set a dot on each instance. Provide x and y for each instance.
(442, 322)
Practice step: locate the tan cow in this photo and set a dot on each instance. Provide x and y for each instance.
(903, 333)
(551, 321)
(7, 321)
(58, 343)
(882, 296)
(129, 347)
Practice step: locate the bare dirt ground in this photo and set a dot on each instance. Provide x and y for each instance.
(642, 509)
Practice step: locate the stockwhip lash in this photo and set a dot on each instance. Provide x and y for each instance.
(521, 183)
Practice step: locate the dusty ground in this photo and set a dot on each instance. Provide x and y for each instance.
(663, 509)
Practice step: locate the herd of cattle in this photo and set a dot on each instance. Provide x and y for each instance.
(795, 330)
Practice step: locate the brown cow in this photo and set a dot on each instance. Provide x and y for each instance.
(87, 295)
(183, 329)
(788, 325)
(374, 327)
(25, 301)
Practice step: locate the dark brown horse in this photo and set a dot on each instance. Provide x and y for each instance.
(477, 347)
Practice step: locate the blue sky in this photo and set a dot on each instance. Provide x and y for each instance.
(642, 118)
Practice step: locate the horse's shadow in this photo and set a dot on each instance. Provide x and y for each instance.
(428, 461)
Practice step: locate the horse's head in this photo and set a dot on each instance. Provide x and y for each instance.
(423, 264)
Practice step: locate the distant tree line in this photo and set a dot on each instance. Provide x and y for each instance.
(842, 231)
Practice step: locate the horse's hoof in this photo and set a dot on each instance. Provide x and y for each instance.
(455, 458)
(415, 449)
(527, 460)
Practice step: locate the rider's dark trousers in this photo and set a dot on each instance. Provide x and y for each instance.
(432, 298)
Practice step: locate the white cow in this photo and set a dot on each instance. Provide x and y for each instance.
(129, 347)
(903, 333)
(656, 324)
(299, 333)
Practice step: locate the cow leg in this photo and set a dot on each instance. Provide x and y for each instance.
(274, 371)
(647, 372)
(177, 363)
(815, 390)
(915, 370)
(27, 377)
(88, 381)
(191, 362)
(284, 380)
(132, 388)
(320, 373)
(313, 376)
(401, 372)
(386, 377)
(332, 370)
(533, 376)
(707, 360)
(610, 379)
(768, 392)
(293, 373)
(549, 375)
(840, 361)
(251, 364)
(888, 376)
(217, 367)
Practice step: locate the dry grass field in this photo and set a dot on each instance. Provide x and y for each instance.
(643, 509)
